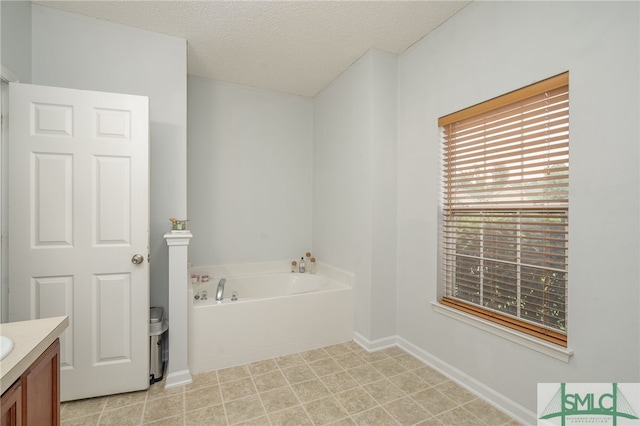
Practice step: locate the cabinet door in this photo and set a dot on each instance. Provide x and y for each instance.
(41, 389)
(11, 406)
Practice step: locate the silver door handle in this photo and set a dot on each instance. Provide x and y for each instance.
(137, 259)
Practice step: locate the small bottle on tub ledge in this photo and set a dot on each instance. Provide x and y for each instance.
(301, 265)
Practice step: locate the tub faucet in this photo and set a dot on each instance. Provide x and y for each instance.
(220, 291)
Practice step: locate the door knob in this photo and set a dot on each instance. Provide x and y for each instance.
(137, 259)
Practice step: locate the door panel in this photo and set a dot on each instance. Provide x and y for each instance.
(112, 318)
(51, 120)
(78, 212)
(52, 200)
(53, 297)
(113, 200)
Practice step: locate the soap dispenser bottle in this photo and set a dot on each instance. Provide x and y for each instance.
(301, 265)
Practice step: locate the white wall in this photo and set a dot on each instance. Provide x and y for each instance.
(249, 174)
(384, 125)
(83, 53)
(16, 38)
(488, 49)
(15, 58)
(354, 169)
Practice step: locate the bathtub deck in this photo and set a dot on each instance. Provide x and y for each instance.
(340, 384)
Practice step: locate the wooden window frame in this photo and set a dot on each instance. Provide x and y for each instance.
(463, 195)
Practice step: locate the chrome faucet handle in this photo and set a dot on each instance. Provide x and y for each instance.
(220, 290)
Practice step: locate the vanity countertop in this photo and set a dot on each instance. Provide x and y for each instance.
(31, 339)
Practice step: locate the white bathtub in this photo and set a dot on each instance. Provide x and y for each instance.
(276, 313)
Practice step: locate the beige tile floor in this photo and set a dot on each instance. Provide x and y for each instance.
(338, 385)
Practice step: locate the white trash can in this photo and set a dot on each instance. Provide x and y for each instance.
(157, 336)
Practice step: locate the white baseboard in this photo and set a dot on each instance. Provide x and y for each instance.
(178, 378)
(374, 345)
(498, 400)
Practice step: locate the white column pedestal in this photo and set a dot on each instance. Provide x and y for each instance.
(178, 368)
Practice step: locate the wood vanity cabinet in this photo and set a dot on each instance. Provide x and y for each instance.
(34, 399)
(11, 405)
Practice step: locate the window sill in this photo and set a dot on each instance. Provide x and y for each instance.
(557, 352)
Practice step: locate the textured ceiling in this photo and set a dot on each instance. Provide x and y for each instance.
(295, 47)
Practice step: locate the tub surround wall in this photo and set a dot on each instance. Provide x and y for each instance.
(249, 174)
(354, 173)
(220, 271)
(487, 49)
(78, 52)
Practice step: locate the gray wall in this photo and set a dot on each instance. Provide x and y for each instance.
(488, 49)
(15, 58)
(83, 53)
(16, 38)
(354, 172)
(249, 174)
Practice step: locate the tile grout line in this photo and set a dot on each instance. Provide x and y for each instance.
(224, 407)
(266, 414)
(184, 405)
(144, 405)
(294, 392)
(332, 395)
(104, 404)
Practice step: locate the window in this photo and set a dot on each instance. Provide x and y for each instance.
(505, 209)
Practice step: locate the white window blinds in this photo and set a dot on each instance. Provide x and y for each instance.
(505, 207)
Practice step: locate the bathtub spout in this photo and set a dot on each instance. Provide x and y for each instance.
(220, 291)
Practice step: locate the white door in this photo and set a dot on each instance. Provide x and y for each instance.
(78, 214)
